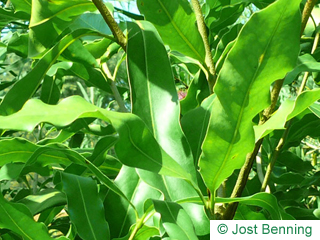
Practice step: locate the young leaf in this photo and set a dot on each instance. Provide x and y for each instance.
(243, 84)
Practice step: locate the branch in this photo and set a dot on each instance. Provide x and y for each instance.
(113, 25)
(245, 170)
(307, 13)
(203, 32)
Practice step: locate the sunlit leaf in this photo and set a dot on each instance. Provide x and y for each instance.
(175, 22)
(243, 84)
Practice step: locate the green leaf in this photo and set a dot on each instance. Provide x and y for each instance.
(196, 128)
(218, 19)
(17, 218)
(45, 199)
(18, 44)
(175, 22)
(9, 16)
(245, 213)
(20, 150)
(26, 87)
(309, 125)
(119, 213)
(50, 92)
(145, 232)
(136, 146)
(50, 19)
(150, 83)
(288, 110)
(264, 200)
(293, 163)
(306, 63)
(243, 84)
(197, 92)
(22, 5)
(175, 220)
(85, 208)
(288, 179)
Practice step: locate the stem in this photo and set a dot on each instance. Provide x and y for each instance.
(241, 181)
(307, 13)
(274, 158)
(141, 222)
(285, 134)
(245, 170)
(113, 25)
(203, 32)
(114, 89)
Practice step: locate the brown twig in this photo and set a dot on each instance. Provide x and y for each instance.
(204, 35)
(113, 25)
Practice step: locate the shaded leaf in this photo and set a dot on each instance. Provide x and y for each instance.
(50, 18)
(264, 200)
(175, 220)
(196, 128)
(119, 213)
(287, 111)
(45, 199)
(135, 143)
(26, 87)
(17, 218)
(85, 208)
(150, 83)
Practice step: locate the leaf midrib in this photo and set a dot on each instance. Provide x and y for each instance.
(85, 209)
(179, 31)
(58, 13)
(239, 120)
(15, 223)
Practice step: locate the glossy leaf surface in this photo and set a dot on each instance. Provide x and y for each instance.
(247, 80)
(85, 207)
(175, 22)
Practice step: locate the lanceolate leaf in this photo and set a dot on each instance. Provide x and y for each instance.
(26, 87)
(242, 87)
(288, 110)
(175, 220)
(196, 128)
(264, 200)
(119, 213)
(175, 22)
(17, 218)
(154, 96)
(45, 199)
(50, 18)
(85, 207)
(20, 150)
(136, 146)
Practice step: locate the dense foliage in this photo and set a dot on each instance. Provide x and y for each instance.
(145, 119)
